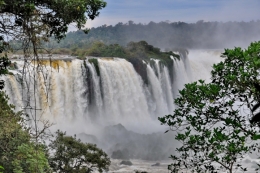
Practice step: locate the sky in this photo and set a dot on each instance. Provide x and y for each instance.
(189, 11)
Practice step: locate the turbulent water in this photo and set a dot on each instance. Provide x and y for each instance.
(81, 99)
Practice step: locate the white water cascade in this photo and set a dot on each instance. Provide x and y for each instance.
(82, 99)
(77, 93)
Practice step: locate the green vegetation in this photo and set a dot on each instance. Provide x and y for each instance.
(17, 152)
(212, 120)
(144, 51)
(99, 49)
(141, 50)
(30, 158)
(4, 61)
(49, 17)
(73, 156)
(1, 168)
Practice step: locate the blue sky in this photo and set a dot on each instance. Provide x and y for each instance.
(144, 11)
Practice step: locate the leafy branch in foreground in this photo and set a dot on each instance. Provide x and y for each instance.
(212, 120)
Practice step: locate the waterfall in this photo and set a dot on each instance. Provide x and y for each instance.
(82, 96)
(123, 95)
(160, 90)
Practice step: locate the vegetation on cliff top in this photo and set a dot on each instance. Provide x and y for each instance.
(140, 50)
(138, 53)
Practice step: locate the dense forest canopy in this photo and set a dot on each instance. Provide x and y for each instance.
(200, 35)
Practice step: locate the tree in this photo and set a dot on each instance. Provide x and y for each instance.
(30, 159)
(212, 120)
(12, 134)
(17, 152)
(71, 155)
(53, 16)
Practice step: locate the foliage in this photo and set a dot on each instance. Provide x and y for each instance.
(1, 168)
(100, 49)
(212, 120)
(17, 153)
(12, 134)
(145, 51)
(140, 50)
(54, 16)
(4, 61)
(71, 155)
(30, 159)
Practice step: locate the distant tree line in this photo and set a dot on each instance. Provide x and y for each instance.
(199, 35)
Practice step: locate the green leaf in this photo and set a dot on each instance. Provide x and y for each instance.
(256, 136)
